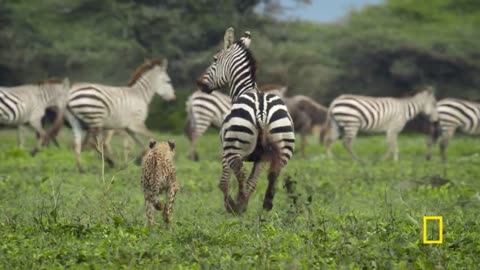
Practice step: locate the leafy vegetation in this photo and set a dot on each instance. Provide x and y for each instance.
(384, 49)
(334, 213)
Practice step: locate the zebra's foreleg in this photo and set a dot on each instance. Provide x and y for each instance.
(392, 146)
(143, 130)
(21, 136)
(443, 143)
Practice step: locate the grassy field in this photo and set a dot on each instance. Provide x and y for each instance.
(341, 214)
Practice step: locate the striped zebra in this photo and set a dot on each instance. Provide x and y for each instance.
(27, 104)
(454, 114)
(258, 127)
(204, 110)
(96, 108)
(350, 113)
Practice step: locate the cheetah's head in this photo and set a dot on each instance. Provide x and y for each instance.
(168, 146)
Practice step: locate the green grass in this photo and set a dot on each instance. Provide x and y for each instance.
(345, 214)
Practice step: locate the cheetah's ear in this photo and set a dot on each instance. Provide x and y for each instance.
(152, 144)
(171, 144)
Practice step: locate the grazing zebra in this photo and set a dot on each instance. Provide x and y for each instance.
(95, 108)
(305, 112)
(258, 127)
(26, 104)
(204, 110)
(350, 113)
(454, 114)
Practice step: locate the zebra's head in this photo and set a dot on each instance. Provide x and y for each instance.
(429, 102)
(233, 66)
(162, 82)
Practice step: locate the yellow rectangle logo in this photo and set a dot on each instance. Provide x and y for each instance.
(440, 230)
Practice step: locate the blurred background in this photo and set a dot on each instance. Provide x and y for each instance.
(316, 47)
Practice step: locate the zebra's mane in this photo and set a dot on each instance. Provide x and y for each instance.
(49, 81)
(269, 87)
(148, 65)
(251, 60)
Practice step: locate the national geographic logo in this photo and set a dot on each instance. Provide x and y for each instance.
(432, 233)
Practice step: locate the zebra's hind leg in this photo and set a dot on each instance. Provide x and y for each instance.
(102, 148)
(192, 152)
(236, 164)
(228, 201)
(79, 136)
(273, 174)
(42, 138)
(250, 185)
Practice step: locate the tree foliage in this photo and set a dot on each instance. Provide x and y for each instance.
(384, 49)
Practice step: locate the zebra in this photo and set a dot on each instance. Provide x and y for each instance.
(258, 127)
(204, 110)
(453, 114)
(348, 114)
(27, 104)
(96, 108)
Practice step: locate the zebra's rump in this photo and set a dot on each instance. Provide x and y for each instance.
(89, 105)
(455, 113)
(10, 108)
(257, 125)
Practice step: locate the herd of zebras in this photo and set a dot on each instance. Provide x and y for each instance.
(256, 124)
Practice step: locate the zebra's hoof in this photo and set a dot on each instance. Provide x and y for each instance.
(110, 163)
(34, 152)
(267, 205)
(230, 205)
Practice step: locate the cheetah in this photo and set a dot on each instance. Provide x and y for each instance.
(158, 176)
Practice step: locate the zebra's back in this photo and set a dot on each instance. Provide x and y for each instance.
(457, 113)
(373, 114)
(16, 103)
(97, 105)
(206, 109)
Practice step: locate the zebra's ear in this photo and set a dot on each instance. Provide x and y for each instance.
(165, 63)
(283, 89)
(246, 39)
(228, 38)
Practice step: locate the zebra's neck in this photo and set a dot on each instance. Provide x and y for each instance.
(241, 76)
(413, 106)
(144, 88)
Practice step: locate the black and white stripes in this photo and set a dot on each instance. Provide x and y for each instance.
(204, 110)
(258, 128)
(455, 114)
(95, 107)
(349, 114)
(26, 104)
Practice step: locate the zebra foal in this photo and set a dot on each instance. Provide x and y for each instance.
(454, 114)
(258, 127)
(99, 108)
(349, 114)
(27, 104)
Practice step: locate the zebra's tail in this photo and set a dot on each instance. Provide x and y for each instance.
(330, 129)
(190, 121)
(57, 125)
